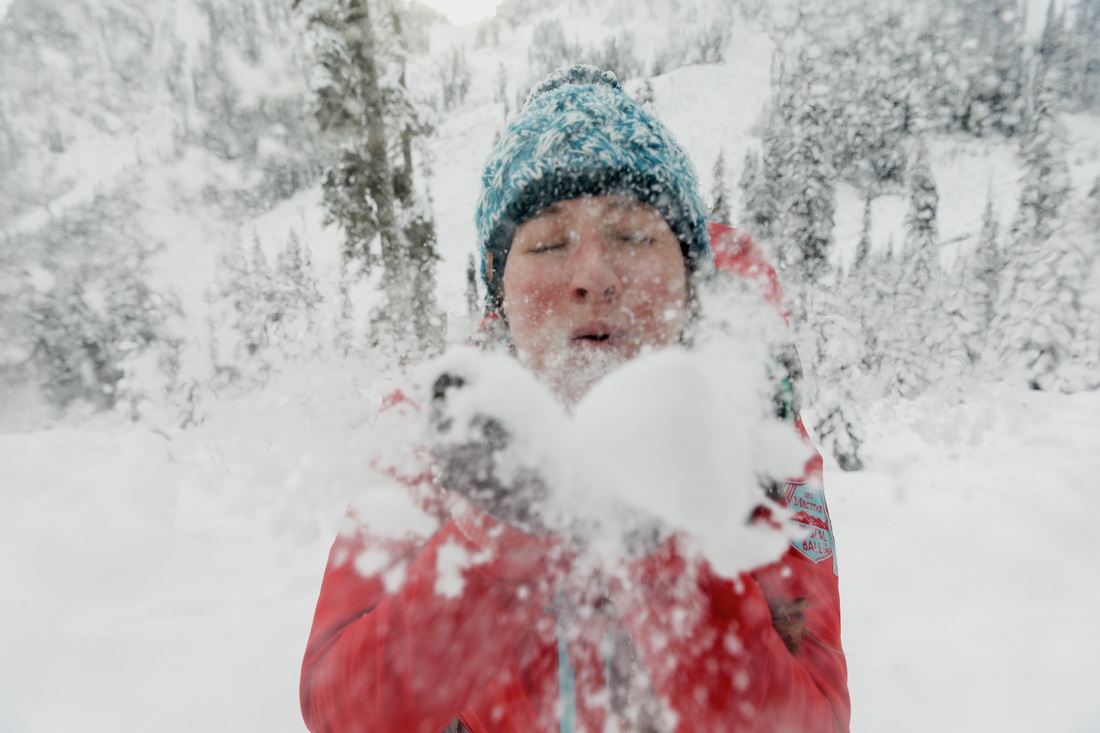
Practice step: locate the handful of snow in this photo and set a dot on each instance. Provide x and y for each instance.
(675, 438)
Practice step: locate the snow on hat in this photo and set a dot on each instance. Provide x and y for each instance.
(580, 134)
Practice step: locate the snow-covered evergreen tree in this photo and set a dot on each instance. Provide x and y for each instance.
(230, 302)
(92, 328)
(874, 288)
(346, 341)
(968, 294)
(500, 88)
(863, 247)
(259, 327)
(1082, 370)
(454, 76)
(1087, 31)
(917, 335)
(296, 300)
(428, 320)
(921, 266)
(996, 72)
(549, 49)
(260, 316)
(720, 195)
(473, 299)
(760, 186)
(807, 218)
(362, 102)
(981, 271)
(1039, 301)
(1054, 51)
(837, 352)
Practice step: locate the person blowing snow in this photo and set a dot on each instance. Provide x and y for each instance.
(619, 525)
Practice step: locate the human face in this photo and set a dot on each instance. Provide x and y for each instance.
(590, 283)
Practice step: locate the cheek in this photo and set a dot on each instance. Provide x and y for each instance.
(661, 287)
(530, 303)
(660, 304)
(524, 296)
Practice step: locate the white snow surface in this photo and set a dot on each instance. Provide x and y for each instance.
(148, 583)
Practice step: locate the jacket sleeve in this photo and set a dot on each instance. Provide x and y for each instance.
(411, 657)
(714, 656)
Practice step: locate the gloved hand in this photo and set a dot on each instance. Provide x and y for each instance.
(472, 455)
(497, 435)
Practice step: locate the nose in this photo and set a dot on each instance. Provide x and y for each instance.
(593, 273)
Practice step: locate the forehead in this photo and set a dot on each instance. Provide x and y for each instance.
(594, 206)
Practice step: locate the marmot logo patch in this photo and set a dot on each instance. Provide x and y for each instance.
(807, 505)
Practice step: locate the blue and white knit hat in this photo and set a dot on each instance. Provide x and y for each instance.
(579, 133)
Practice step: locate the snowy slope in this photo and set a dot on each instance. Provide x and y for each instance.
(966, 561)
(156, 585)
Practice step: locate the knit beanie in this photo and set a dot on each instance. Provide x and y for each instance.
(580, 134)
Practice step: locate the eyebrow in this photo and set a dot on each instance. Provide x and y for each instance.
(625, 203)
(547, 211)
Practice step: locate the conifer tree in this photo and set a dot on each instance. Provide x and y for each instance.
(256, 328)
(921, 230)
(362, 103)
(875, 288)
(1082, 371)
(297, 298)
(720, 197)
(837, 353)
(1053, 51)
(1087, 29)
(428, 321)
(473, 300)
(500, 89)
(345, 321)
(758, 209)
(230, 302)
(86, 309)
(863, 248)
(916, 337)
(1038, 305)
(455, 78)
(982, 280)
(811, 203)
(956, 348)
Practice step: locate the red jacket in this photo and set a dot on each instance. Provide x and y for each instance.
(480, 622)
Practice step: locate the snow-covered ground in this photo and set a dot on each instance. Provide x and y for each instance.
(149, 583)
(967, 560)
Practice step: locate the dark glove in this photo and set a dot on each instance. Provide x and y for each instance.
(501, 440)
(471, 465)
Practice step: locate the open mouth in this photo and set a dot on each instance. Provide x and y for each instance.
(597, 334)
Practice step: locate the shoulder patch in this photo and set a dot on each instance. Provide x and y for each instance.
(808, 509)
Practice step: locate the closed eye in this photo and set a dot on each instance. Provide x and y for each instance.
(542, 247)
(635, 238)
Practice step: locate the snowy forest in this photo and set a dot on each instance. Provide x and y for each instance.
(228, 228)
(221, 115)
